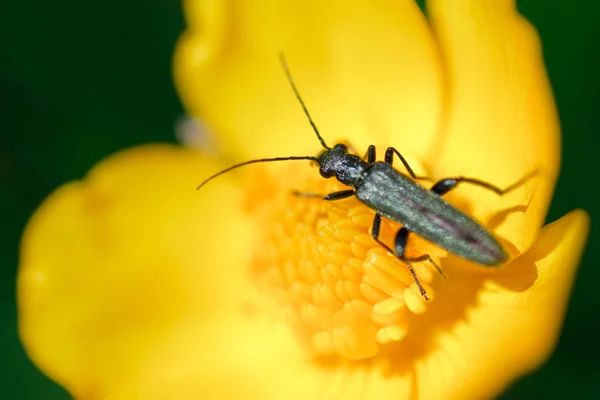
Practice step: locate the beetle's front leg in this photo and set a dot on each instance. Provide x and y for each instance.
(389, 158)
(371, 154)
(342, 194)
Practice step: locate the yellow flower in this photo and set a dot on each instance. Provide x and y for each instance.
(133, 286)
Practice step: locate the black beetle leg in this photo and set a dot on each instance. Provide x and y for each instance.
(400, 246)
(375, 235)
(443, 186)
(343, 194)
(371, 154)
(307, 194)
(389, 158)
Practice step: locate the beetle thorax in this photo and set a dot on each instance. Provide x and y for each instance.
(347, 168)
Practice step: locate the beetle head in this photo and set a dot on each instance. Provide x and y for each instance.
(332, 160)
(347, 168)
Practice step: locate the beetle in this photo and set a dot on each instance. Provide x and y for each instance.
(398, 197)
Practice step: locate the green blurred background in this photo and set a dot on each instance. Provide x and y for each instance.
(80, 81)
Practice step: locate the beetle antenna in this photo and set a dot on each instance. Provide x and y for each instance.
(291, 81)
(260, 160)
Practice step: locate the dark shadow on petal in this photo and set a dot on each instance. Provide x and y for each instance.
(498, 218)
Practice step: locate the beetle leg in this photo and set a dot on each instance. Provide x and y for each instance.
(375, 234)
(400, 242)
(400, 246)
(343, 194)
(307, 194)
(371, 154)
(445, 185)
(389, 158)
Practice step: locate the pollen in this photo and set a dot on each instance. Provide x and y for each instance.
(348, 295)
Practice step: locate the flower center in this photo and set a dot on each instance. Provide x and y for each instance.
(349, 295)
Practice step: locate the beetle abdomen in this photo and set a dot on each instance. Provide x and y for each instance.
(423, 212)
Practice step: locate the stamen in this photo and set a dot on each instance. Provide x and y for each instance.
(350, 295)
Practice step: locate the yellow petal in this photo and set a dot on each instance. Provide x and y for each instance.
(506, 331)
(246, 357)
(113, 264)
(368, 72)
(500, 122)
(458, 349)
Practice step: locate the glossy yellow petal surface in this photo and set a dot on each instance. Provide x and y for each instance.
(500, 122)
(369, 72)
(113, 265)
(509, 326)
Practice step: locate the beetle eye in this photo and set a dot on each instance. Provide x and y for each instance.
(341, 147)
(325, 174)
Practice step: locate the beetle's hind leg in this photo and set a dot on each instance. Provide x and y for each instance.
(400, 246)
(443, 186)
(375, 234)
